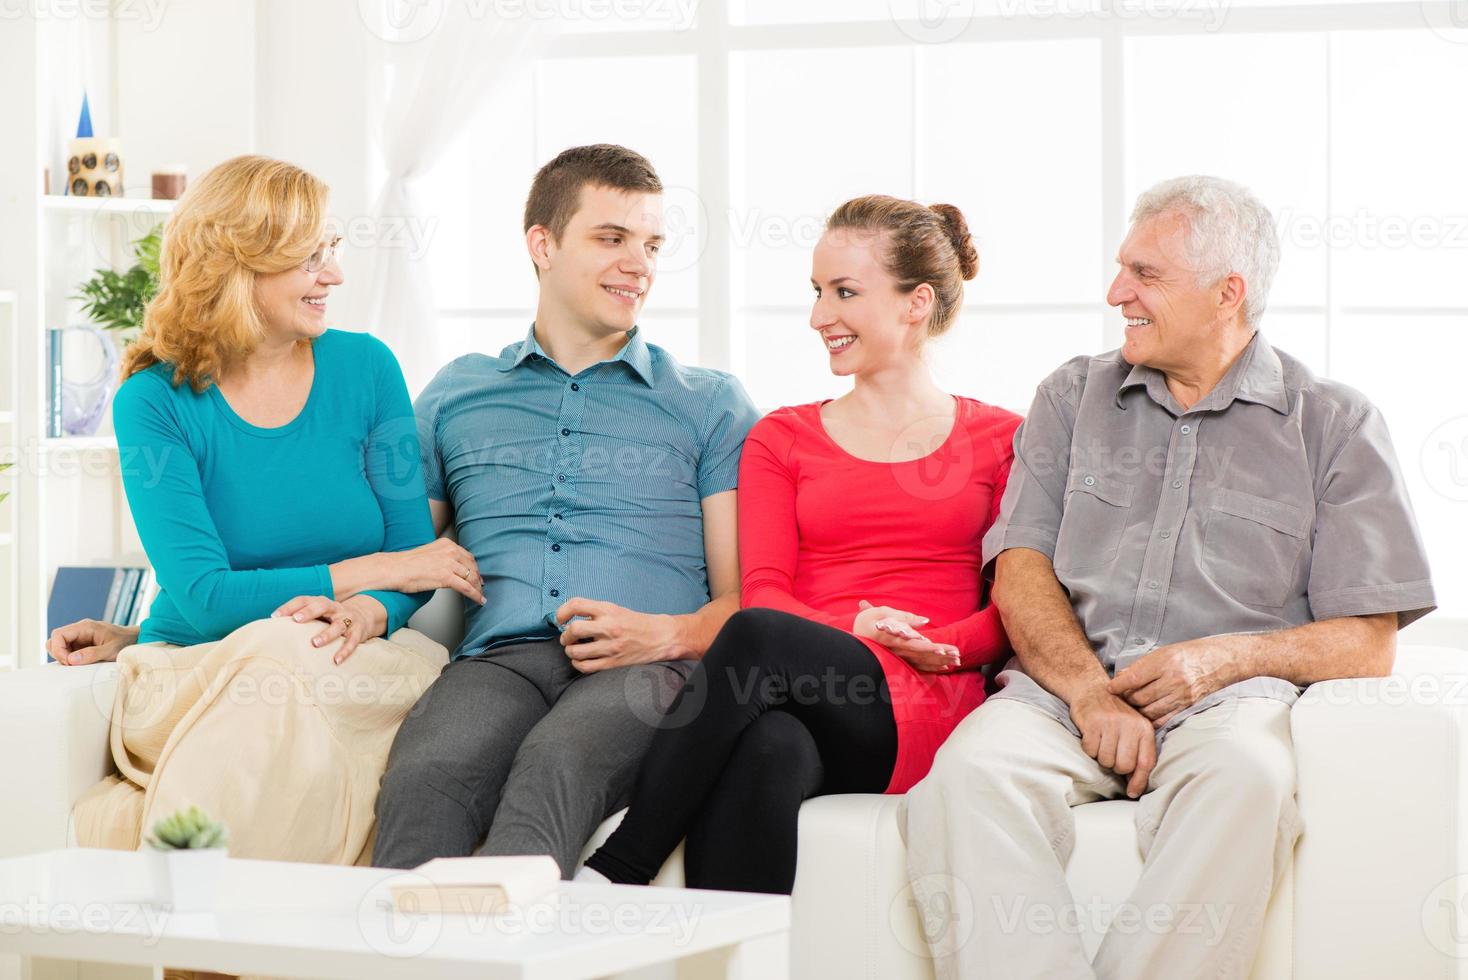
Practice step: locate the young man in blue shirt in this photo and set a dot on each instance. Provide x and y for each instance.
(593, 479)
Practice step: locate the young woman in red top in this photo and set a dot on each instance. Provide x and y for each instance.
(866, 619)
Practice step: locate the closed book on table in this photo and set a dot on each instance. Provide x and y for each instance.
(476, 885)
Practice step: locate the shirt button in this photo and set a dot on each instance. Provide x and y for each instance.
(1177, 484)
(1089, 481)
(558, 517)
(1165, 534)
(561, 478)
(1186, 429)
(555, 592)
(1152, 584)
(565, 432)
(1137, 642)
(555, 547)
(575, 386)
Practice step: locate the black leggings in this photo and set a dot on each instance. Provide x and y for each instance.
(780, 709)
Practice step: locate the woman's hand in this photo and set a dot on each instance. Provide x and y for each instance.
(357, 619)
(893, 628)
(440, 564)
(89, 641)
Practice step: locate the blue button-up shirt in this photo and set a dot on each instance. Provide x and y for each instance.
(588, 485)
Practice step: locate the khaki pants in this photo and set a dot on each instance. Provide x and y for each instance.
(990, 830)
(262, 731)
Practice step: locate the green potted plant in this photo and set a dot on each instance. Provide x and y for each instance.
(116, 300)
(188, 852)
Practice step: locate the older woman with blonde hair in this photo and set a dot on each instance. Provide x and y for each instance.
(284, 513)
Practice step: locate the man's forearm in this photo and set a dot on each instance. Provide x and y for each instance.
(696, 630)
(1042, 626)
(1351, 646)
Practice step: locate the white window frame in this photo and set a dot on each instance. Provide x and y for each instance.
(711, 40)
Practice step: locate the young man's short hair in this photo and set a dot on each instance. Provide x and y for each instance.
(555, 193)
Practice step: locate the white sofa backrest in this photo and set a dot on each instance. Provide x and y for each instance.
(442, 619)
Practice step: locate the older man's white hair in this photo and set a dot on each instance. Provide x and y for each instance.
(1229, 231)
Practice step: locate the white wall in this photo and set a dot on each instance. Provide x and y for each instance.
(184, 85)
(210, 79)
(312, 102)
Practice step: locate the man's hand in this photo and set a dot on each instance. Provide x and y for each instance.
(1116, 736)
(610, 636)
(89, 641)
(1177, 676)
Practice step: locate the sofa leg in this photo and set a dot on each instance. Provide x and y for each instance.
(760, 958)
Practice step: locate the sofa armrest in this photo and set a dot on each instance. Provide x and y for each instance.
(54, 726)
(1382, 794)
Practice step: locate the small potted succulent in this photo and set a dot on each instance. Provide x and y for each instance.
(188, 852)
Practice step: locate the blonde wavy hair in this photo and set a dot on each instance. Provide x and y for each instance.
(248, 217)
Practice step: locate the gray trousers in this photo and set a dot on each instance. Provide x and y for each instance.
(514, 751)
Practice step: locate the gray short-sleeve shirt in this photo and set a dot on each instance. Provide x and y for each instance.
(1273, 502)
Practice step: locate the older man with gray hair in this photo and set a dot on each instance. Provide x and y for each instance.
(1195, 527)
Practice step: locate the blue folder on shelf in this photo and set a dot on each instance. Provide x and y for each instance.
(79, 593)
(112, 595)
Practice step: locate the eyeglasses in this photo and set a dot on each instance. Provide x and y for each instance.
(322, 256)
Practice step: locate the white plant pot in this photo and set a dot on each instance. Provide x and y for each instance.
(188, 880)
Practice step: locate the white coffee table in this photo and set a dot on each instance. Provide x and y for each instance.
(306, 920)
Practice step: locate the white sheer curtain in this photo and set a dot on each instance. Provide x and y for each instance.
(433, 84)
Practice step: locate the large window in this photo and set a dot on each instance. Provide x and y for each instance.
(1042, 120)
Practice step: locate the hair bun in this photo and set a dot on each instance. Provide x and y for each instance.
(958, 234)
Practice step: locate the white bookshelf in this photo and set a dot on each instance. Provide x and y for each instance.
(9, 479)
(67, 505)
(129, 206)
(77, 513)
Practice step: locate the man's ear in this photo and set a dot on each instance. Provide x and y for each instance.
(539, 243)
(1232, 293)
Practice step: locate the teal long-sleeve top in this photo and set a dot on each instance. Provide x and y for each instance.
(237, 519)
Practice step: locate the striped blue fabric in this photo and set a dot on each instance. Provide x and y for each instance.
(587, 485)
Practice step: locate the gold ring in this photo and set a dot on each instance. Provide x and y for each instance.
(346, 622)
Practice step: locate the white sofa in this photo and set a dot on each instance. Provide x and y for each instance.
(1382, 790)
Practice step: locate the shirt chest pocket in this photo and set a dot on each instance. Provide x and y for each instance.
(1252, 547)
(1097, 509)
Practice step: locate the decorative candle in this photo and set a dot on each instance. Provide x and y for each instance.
(169, 182)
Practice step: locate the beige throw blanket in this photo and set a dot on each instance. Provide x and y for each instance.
(262, 731)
